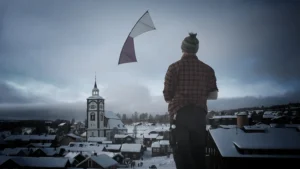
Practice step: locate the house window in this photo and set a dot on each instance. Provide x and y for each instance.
(101, 117)
(92, 134)
(133, 156)
(92, 117)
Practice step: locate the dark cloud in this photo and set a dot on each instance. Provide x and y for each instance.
(63, 42)
(244, 102)
(10, 95)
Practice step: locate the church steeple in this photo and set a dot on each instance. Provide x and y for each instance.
(95, 91)
(95, 85)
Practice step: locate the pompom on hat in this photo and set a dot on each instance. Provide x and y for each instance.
(190, 44)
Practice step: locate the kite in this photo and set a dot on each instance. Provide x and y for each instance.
(144, 24)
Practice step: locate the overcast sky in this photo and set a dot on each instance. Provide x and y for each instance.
(50, 51)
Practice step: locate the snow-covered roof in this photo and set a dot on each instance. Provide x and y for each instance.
(74, 136)
(155, 144)
(104, 160)
(15, 151)
(82, 144)
(90, 149)
(160, 137)
(95, 97)
(61, 124)
(115, 123)
(111, 115)
(113, 146)
(120, 135)
(41, 162)
(151, 136)
(72, 154)
(96, 139)
(131, 147)
(83, 134)
(30, 137)
(242, 114)
(164, 142)
(106, 142)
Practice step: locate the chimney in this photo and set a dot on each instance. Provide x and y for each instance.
(242, 119)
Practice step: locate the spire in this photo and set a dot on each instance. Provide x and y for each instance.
(95, 91)
(95, 85)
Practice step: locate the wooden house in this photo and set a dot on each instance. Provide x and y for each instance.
(160, 148)
(123, 138)
(112, 148)
(75, 158)
(119, 158)
(67, 139)
(102, 161)
(149, 138)
(155, 149)
(24, 140)
(132, 151)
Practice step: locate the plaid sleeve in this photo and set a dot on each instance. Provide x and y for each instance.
(169, 84)
(212, 82)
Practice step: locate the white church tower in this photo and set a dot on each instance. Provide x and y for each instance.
(95, 114)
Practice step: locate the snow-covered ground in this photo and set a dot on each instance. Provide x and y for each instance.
(160, 162)
(146, 128)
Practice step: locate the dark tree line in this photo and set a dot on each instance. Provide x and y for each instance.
(144, 117)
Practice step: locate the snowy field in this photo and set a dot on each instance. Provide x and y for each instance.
(160, 162)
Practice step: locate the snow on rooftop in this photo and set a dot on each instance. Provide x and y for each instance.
(90, 149)
(61, 124)
(131, 147)
(115, 123)
(74, 136)
(83, 134)
(96, 139)
(155, 144)
(121, 135)
(164, 142)
(160, 137)
(104, 160)
(30, 137)
(41, 162)
(111, 115)
(151, 136)
(113, 146)
(72, 154)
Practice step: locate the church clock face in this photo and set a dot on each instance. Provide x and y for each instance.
(93, 106)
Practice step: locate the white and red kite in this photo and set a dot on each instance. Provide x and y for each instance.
(144, 24)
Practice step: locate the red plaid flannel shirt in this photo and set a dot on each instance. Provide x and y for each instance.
(188, 81)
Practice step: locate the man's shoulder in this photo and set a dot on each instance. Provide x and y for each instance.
(174, 65)
(207, 67)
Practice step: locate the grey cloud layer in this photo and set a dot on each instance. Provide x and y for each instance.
(65, 42)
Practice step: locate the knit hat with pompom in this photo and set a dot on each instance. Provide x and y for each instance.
(190, 44)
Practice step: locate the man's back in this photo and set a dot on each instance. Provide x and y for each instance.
(188, 84)
(189, 81)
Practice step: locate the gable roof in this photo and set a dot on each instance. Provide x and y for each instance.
(131, 148)
(46, 162)
(104, 160)
(111, 115)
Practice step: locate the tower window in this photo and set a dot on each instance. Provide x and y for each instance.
(92, 116)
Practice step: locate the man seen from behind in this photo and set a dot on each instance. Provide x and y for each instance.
(189, 83)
